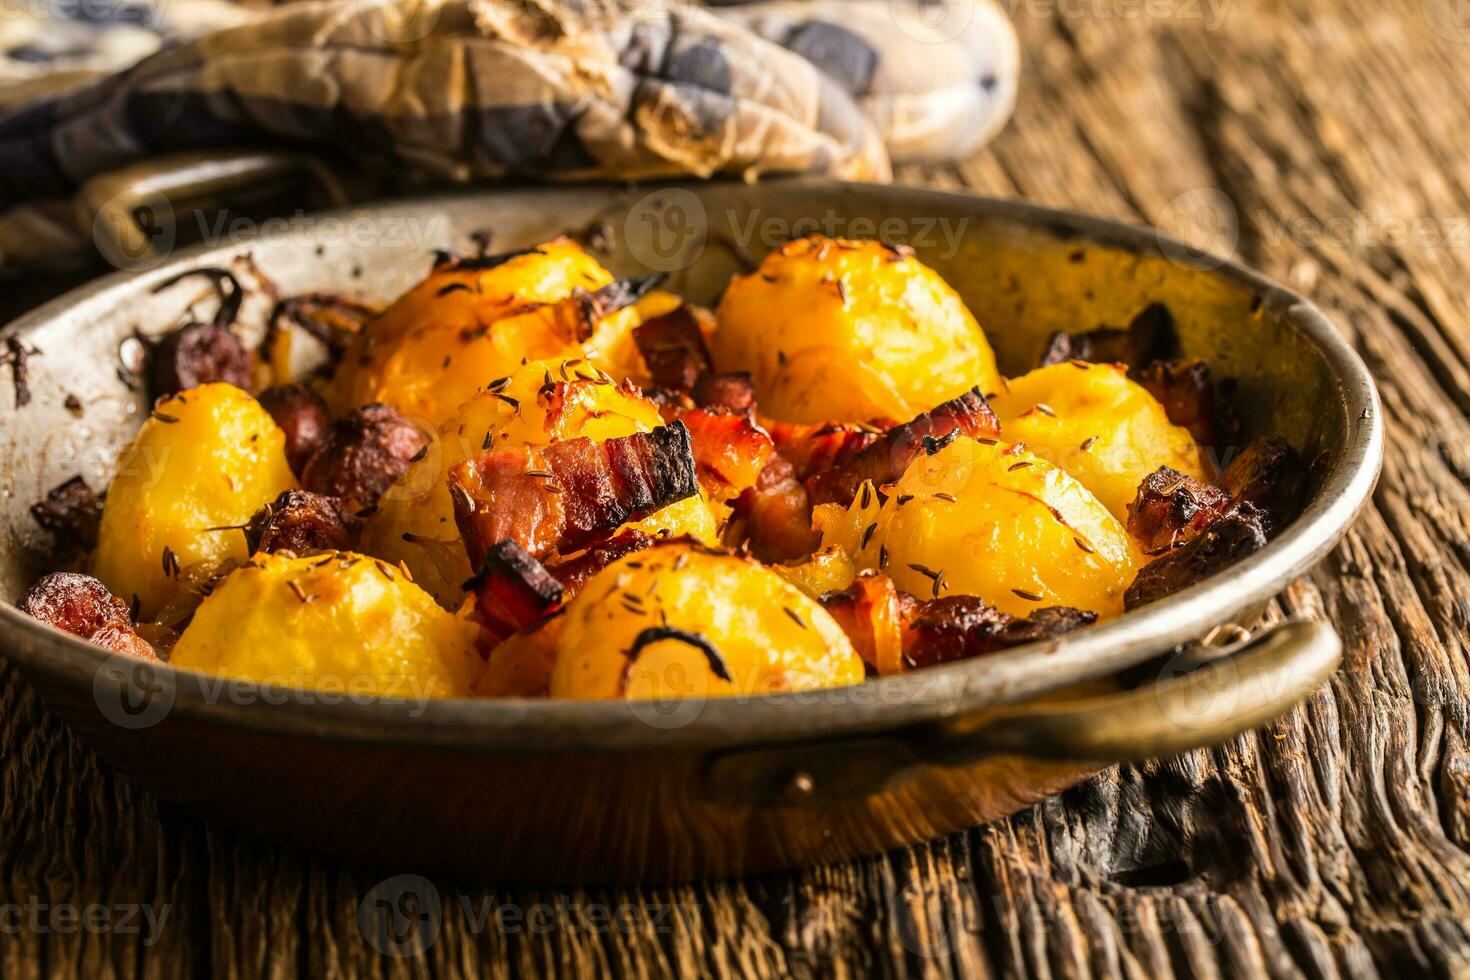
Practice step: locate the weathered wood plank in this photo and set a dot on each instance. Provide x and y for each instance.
(1332, 844)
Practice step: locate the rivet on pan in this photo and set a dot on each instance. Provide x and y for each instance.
(799, 785)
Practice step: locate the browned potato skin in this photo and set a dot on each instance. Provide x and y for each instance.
(201, 466)
(335, 622)
(762, 633)
(463, 326)
(990, 520)
(848, 331)
(1098, 425)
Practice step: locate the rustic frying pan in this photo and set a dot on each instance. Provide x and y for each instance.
(615, 791)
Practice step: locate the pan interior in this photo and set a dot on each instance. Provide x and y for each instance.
(1024, 272)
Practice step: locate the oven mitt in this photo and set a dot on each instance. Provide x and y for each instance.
(447, 91)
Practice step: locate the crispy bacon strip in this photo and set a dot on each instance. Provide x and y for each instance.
(814, 449)
(673, 349)
(82, 606)
(730, 450)
(513, 590)
(732, 391)
(885, 460)
(1150, 337)
(1187, 392)
(1226, 540)
(778, 513)
(1172, 508)
(894, 631)
(1270, 475)
(571, 494)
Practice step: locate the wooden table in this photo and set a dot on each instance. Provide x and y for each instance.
(1333, 843)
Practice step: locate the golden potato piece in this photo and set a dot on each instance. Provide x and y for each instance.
(206, 459)
(1096, 424)
(414, 522)
(838, 330)
(462, 327)
(339, 622)
(675, 621)
(993, 521)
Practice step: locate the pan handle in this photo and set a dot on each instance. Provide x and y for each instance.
(130, 210)
(1190, 706)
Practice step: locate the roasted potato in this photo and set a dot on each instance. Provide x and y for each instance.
(466, 324)
(991, 520)
(414, 522)
(1099, 426)
(341, 622)
(677, 621)
(204, 462)
(847, 331)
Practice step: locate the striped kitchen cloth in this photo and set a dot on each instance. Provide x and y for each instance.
(451, 91)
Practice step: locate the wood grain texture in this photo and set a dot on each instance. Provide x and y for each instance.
(1332, 844)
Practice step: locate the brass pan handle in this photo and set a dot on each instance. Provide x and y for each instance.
(131, 210)
(1242, 688)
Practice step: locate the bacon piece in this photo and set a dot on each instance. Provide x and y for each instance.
(673, 349)
(1226, 540)
(513, 590)
(1187, 392)
(574, 572)
(872, 612)
(303, 523)
(1171, 509)
(730, 450)
(814, 449)
(303, 416)
(82, 606)
(71, 513)
(778, 513)
(368, 449)
(732, 391)
(894, 631)
(570, 494)
(885, 460)
(1270, 475)
(1150, 337)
